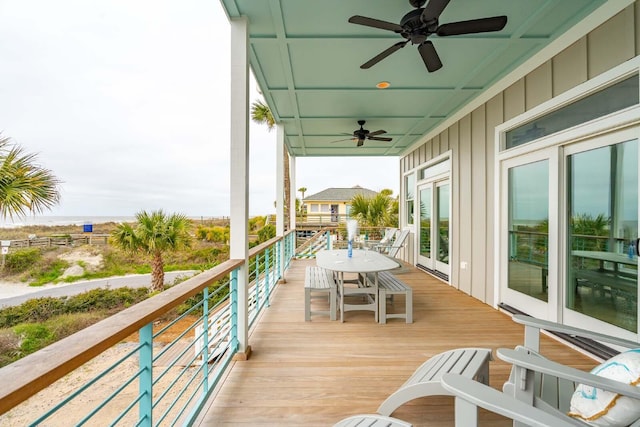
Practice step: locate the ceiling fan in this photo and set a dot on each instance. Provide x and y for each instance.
(417, 25)
(361, 134)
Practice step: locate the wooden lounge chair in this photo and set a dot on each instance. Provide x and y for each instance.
(538, 392)
(391, 249)
(472, 363)
(547, 385)
(550, 385)
(389, 234)
(469, 396)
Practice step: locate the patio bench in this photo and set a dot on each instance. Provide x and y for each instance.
(388, 286)
(318, 280)
(471, 363)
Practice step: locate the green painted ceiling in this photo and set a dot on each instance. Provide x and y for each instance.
(306, 59)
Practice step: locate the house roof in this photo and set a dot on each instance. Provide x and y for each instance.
(340, 194)
(306, 58)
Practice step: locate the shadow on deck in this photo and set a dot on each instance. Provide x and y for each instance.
(316, 373)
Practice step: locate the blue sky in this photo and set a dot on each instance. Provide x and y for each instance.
(127, 103)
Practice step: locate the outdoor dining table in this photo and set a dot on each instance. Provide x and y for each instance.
(361, 262)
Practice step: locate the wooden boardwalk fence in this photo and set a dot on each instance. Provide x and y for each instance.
(66, 240)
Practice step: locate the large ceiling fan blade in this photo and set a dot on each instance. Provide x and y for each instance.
(342, 140)
(375, 23)
(433, 9)
(482, 25)
(379, 57)
(380, 138)
(430, 56)
(377, 132)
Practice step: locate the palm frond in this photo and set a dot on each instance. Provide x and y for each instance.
(25, 187)
(261, 113)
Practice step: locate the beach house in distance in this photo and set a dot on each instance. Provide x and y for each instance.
(332, 205)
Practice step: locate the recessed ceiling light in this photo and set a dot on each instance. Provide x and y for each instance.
(383, 85)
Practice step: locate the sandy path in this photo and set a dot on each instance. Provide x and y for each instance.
(17, 293)
(12, 289)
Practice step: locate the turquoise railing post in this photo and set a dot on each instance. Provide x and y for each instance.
(267, 278)
(278, 256)
(328, 240)
(233, 300)
(205, 340)
(257, 269)
(145, 407)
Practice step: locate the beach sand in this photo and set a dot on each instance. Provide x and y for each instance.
(27, 412)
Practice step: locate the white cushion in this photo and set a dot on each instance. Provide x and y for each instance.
(603, 408)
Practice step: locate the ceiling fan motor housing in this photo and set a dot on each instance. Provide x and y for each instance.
(417, 3)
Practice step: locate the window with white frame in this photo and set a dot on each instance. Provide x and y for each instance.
(409, 190)
(612, 98)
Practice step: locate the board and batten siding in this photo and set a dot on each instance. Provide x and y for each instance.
(471, 141)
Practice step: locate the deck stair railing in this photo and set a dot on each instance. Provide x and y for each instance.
(160, 377)
(336, 238)
(315, 243)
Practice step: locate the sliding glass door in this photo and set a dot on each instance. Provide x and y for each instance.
(434, 201)
(528, 206)
(569, 239)
(602, 231)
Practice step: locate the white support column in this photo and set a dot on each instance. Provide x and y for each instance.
(280, 150)
(293, 192)
(239, 220)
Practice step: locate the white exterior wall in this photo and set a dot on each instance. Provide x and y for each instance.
(473, 148)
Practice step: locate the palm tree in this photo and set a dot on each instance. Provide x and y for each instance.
(24, 186)
(377, 211)
(261, 113)
(154, 234)
(300, 202)
(302, 190)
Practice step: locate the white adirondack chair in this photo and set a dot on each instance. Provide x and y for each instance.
(537, 393)
(392, 248)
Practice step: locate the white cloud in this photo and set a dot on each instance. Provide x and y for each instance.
(127, 102)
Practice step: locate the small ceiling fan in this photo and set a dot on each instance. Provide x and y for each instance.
(361, 134)
(417, 25)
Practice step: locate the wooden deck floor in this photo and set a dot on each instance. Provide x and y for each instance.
(316, 373)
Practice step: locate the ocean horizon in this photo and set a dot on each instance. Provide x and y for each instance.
(53, 220)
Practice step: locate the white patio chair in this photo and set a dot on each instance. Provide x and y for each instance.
(550, 386)
(389, 234)
(469, 396)
(391, 250)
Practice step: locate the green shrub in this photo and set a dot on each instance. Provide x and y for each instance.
(33, 336)
(42, 321)
(215, 234)
(49, 274)
(22, 259)
(42, 309)
(33, 310)
(267, 232)
(105, 299)
(9, 346)
(68, 324)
